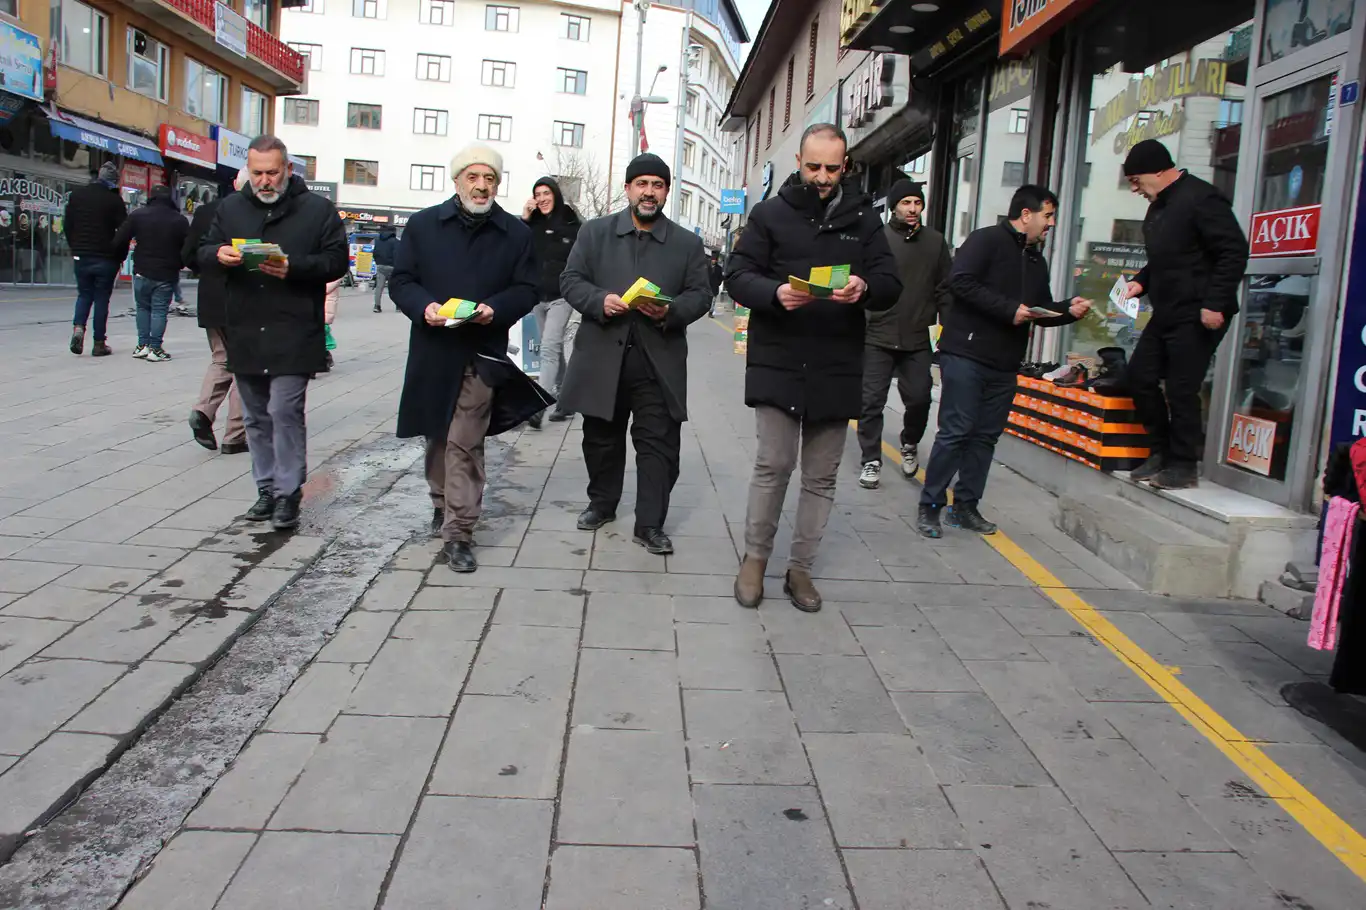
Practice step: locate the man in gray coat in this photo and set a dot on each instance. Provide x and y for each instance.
(898, 341)
(630, 363)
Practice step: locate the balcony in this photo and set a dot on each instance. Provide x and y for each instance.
(268, 58)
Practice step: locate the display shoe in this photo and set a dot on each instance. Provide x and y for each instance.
(749, 584)
(1075, 379)
(1111, 377)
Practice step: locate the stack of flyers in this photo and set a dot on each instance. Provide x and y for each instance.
(457, 310)
(741, 329)
(823, 281)
(255, 252)
(644, 290)
(1126, 305)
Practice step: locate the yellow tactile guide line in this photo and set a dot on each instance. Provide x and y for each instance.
(1341, 839)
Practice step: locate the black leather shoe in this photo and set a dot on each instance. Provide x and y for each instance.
(264, 508)
(460, 557)
(655, 541)
(438, 519)
(927, 523)
(202, 428)
(286, 517)
(232, 448)
(1147, 470)
(1175, 477)
(591, 518)
(535, 421)
(969, 519)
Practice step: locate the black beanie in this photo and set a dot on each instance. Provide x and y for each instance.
(903, 188)
(648, 165)
(1148, 157)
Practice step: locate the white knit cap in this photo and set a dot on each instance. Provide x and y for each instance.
(477, 154)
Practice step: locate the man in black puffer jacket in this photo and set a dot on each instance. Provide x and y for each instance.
(998, 277)
(554, 228)
(160, 231)
(92, 216)
(804, 375)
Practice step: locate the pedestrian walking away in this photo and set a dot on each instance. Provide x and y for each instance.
(218, 383)
(554, 226)
(160, 232)
(274, 329)
(1000, 287)
(92, 216)
(386, 248)
(716, 276)
(898, 340)
(460, 386)
(1197, 255)
(630, 364)
(804, 370)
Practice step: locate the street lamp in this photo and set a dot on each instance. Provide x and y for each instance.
(637, 102)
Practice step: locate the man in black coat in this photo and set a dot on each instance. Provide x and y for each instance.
(804, 371)
(460, 386)
(160, 231)
(93, 215)
(213, 316)
(554, 227)
(386, 249)
(274, 326)
(1000, 287)
(1197, 254)
(898, 340)
(630, 361)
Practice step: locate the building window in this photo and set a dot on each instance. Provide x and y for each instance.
(254, 119)
(433, 68)
(310, 166)
(301, 111)
(257, 11)
(501, 18)
(500, 73)
(310, 6)
(365, 9)
(811, 60)
(575, 28)
(505, 181)
(919, 165)
(1127, 230)
(437, 12)
(758, 129)
(206, 92)
(1013, 173)
(787, 107)
(1019, 120)
(494, 128)
(367, 61)
(360, 173)
(149, 63)
(314, 53)
(363, 116)
(772, 106)
(85, 38)
(689, 153)
(569, 135)
(430, 122)
(691, 104)
(573, 82)
(685, 205)
(426, 177)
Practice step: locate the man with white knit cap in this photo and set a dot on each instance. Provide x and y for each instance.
(460, 385)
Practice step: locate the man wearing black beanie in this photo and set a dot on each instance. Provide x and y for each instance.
(1197, 254)
(898, 340)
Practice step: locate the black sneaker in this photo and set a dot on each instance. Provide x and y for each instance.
(460, 557)
(592, 518)
(438, 519)
(927, 523)
(77, 339)
(558, 416)
(377, 309)
(969, 519)
(100, 349)
(202, 428)
(264, 508)
(1147, 470)
(286, 517)
(655, 541)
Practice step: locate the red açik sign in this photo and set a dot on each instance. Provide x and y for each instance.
(1286, 232)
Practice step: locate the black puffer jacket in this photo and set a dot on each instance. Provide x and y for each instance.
(274, 327)
(93, 214)
(553, 237)
(1197, 253)
(160, 231)
(809, 361)
(212, 299)
(386, 248)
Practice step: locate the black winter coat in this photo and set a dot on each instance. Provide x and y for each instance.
(809, 361)
(274, 327)
(386, 248)
(554, 237)
(212, 299)
(160, 231)
(439, 258)
(923, 264)
(995, 272)
(93, 215)
(1197, 253)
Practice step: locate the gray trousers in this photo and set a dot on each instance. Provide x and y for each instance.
(273, 411)
(382, 275)
(821, 446)
(559, 324)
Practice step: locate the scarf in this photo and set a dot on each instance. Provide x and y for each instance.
(471, 221)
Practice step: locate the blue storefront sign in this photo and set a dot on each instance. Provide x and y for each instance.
(21, 62)
(733, 202)
(98, 136)
(1349, 398)
(9, 106)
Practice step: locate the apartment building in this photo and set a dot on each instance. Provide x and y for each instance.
(170, 90)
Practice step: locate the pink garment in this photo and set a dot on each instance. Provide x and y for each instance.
(1337, 551)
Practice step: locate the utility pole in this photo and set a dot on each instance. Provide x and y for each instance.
(637, 102)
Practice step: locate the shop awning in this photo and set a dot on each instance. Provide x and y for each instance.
(98, 136)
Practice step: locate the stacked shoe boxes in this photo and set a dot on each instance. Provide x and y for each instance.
(1096, 430)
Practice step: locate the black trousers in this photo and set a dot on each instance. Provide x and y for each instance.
(911, 369)
(656, 435)
(1179, 356)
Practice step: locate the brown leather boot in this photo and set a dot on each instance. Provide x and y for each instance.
(802, 591)
(749, 584)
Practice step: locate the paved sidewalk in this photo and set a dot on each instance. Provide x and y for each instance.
(582, 725)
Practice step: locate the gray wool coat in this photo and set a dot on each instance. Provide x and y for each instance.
(608, 256)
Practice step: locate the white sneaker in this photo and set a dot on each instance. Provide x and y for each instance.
(156, 355)
(910, 461)
(871, 475)
(140, 351)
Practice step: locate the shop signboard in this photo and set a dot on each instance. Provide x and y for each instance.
(1024, 23)
(1285, 232)
(156, 176)
(232, 148)
(9, 106)
(872, 95)
(854, 15)
(1250, 444)
(1349, 394)
(733, 202)
(366, 216)
(184, 145)
(977, 19)
(327, 190)
(106, 138)
(1183, 78)
(1011, 81)
(21, 62)
(230, 29)
(134, 177)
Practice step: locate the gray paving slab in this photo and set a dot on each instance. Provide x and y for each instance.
(914, 658)
(655, 583)
(1199, 881)
(1094, 670)
(126, 631)
(359, 638)
(258, 780)
(417, 678)
(623, 878)
(391, 591)
(642, 622)
(509, 577)
(439, 597)
(540, 608)
(1184, 757)
(21, 638)
(440, 625)
(534, 663)
(40, 696)
(56, 602)
(315, 699)
(99, 578)
(45, 776)
(626, 787)
(309, 871)
(553, 550)
(924, 879)
(192, 871)
(725, 657)
(490, 852)
(743, 738)
(628, 690)
(966, 740)
(791, 631)
(1039, 701)
(126, 706)
(979, 633)
(837, 694)
(712, 610)
(704, 555)
(502, 746)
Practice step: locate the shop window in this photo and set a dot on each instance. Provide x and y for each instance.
(437, 12)
(367, 61)
(255, 107)
(500, 73)
(574, 28)
(206, 92)
(493, 128)
(1013, 174)
(1126, 230)
(960, 207)
(85, 38)
(1003, 140)
(433, 68)
(430, 122)
(301, 111)
(501, 18)
(149, 65)
(363, 116)
(257, 11)
(313, 53)
(1290, 26)
(360, 173)
(568, 135)
(310, 166)
(572, 82)
(427, 177)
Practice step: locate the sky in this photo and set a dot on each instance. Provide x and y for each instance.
(752, 11)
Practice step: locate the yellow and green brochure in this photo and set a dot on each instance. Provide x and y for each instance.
(457, 310)
(823, 281)
(643, 290)
(255, 252)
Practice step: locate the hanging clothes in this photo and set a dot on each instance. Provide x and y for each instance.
(1333, 566)
(1345, 478)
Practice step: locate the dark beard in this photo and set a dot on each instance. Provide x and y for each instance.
(644, 218)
